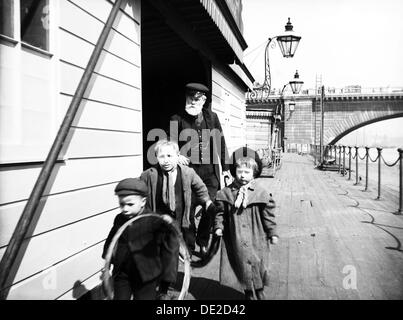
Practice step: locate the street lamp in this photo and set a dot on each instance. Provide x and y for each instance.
(288, 43)
(296, 85)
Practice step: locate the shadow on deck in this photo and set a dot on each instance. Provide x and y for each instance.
(336, 241)
(202, 288)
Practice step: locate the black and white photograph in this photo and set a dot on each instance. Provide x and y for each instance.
(205, 151)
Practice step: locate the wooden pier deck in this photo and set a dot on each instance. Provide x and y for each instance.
(330, 232)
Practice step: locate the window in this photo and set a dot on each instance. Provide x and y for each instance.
(27, 80)
(35, 23)
(6, 18)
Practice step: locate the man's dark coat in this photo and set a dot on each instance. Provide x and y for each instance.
(219, 152)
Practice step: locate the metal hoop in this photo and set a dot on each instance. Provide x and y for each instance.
(106, 276)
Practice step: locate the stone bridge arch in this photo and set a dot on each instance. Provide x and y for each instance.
(343, 116)
(334, 139)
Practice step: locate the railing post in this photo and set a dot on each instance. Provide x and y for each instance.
(366, 167)
(356, 165)
(349, 163)
(335, 157)
(274, 156)
(400, 211)
(335, 154)
(344, 161)
(379, 172)
(314, 153)
(339, 159)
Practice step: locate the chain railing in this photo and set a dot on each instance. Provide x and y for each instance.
(338, 153)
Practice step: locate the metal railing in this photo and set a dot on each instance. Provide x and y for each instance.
(339, 155)
(300, 148)
(271, 159)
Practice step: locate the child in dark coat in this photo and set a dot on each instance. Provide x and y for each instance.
(147, 250)
(172, 187)
(245, 219)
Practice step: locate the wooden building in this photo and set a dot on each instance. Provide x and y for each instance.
(152, 50)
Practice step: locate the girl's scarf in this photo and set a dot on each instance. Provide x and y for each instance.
(242, 197)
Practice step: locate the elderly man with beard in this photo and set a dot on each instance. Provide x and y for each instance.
(202, 147)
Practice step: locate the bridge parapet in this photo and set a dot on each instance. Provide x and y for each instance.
(352, 93)
(356, 92)
(346, 93)
(360, 90)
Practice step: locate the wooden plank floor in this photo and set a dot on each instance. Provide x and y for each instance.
(329, 229)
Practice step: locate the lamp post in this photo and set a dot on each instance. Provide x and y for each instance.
(288, 43)
(322, 125)
(296, 85)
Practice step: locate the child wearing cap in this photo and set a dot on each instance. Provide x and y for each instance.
(146, 251)
(245, 220)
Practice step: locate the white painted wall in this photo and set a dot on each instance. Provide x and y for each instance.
(229, 103)
(258, 133)
(103, 147)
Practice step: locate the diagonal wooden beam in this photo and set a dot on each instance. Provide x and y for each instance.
(9, 259)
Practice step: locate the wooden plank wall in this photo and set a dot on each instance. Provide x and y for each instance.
(228, 101)
(258, 133)
(63, 254)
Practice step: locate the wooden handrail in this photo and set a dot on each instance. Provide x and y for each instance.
(24, 223)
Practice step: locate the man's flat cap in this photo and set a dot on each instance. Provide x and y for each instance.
(131, 186)
(196, 87)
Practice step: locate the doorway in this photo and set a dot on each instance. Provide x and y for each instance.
(168, 63)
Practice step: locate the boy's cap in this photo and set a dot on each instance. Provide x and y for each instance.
(131, 186)
(198, 87)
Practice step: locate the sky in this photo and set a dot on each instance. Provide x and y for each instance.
(347, 42)
(344, 42)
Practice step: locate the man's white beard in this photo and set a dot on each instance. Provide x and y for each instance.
(193, 110)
